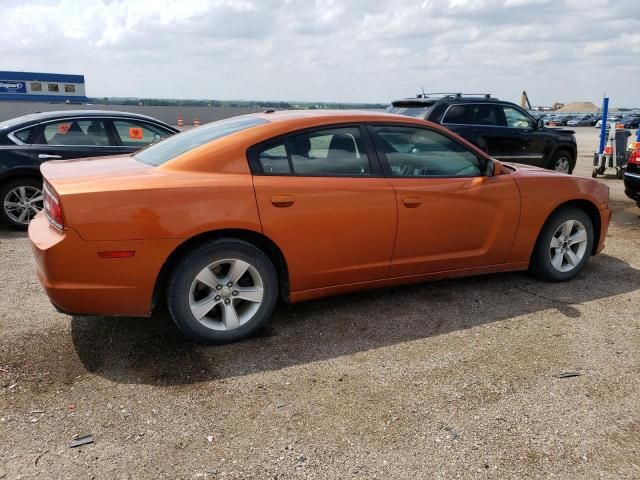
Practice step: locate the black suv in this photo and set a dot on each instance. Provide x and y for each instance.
(28, 141)
(502, 129)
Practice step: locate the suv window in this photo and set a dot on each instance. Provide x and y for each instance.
(417, 152)
(516, 118)
(138, 134)
(75, 132)
(473, 114)
(460, 114)
(329, 152)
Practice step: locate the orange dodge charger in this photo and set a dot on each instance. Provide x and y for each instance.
(225, 219)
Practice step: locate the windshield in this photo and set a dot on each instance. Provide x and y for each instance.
(417, 112)
(168, 149)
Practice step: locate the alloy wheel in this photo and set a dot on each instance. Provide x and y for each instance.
(226, 294)
(562, 165)
(22, 203)
(568, 246)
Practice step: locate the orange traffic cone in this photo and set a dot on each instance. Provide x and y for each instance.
(180, 121)
(196, 122)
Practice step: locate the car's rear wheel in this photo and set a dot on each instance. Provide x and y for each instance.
(561, 162)
(20, 201)
(222, 292)
(563, 246)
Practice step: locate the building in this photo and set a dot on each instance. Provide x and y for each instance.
(42, 87)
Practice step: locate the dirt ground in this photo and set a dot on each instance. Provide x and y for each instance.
(453, 379)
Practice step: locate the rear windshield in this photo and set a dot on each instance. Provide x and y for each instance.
(176, 145)
(417, 112)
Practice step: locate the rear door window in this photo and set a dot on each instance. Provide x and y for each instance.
(459, 115)
(70, 132)
(327, 152)
(274, 160)
(473, 114)
(487, 114)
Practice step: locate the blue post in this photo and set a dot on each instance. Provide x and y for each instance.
(603, 126)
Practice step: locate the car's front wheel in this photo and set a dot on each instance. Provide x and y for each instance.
(563, 246)
(561, 162)
(20, 201)
(222, 292)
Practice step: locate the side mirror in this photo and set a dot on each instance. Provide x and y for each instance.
(539, 124)
(492, 168)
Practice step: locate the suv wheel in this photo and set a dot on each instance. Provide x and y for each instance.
(561, 162)
(20, 201)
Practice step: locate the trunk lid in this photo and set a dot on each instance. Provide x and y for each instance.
(96, 174)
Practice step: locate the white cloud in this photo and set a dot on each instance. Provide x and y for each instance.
(360, 50)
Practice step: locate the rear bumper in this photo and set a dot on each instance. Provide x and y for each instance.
(77, 280)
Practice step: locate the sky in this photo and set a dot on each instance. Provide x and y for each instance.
(342, 51)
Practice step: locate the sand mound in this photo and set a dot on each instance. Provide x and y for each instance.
(579, 107)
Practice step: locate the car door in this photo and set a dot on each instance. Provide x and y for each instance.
(15, 152)
(451, 215)
(481, 124)
(72, 138)
(132, 134)
(323, 200)
(526, 143)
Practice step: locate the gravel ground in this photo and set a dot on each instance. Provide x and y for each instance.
(452, 379)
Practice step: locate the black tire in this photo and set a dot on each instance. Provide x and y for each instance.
(594, 172)
(7, 216)
(540, 264)
(180, 281)
(559, 155)
(620, 173)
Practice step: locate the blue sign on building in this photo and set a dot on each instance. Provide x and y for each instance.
(11, 86)
(42, 87)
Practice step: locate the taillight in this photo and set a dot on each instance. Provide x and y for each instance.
(52, 207)
(634, 157)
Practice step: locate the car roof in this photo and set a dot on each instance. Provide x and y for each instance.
(42, 116)
(428, 100)
(327, 116)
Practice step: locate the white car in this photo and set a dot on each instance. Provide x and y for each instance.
(609, 120)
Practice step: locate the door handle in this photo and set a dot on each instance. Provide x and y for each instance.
(412, 202)
(283, 201)
(47, 156)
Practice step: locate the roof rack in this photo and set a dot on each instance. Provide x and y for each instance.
(454, 94)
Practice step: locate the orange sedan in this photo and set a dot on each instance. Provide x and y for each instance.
(225, 219)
